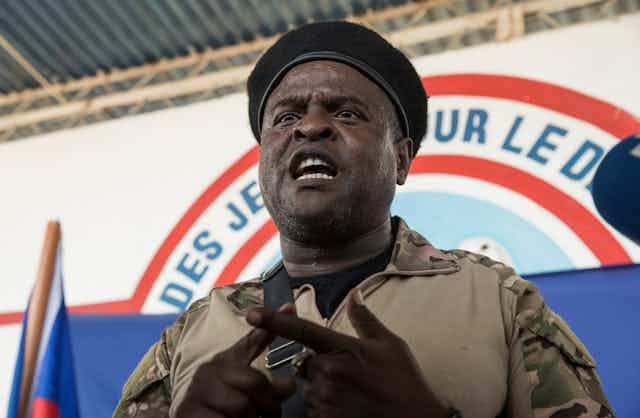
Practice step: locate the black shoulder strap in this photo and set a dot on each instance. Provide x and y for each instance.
(277, 292)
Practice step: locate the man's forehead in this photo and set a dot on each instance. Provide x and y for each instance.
(322, 65)
(327, 81)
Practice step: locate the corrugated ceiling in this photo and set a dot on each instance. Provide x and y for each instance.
(70, 39)
(67, 40)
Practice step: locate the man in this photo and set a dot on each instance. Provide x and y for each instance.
(391, 326)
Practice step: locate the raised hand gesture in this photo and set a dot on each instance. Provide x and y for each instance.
(375, 375)
(228, 387)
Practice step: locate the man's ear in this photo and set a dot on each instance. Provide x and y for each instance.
(404, 153)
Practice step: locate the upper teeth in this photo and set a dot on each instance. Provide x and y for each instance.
(312, 161)
(308, 162)
(315, 176)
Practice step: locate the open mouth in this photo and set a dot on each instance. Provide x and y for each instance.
(313, 167)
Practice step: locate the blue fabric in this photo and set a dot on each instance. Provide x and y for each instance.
(600, 305)
(602, 308)
(106, 349)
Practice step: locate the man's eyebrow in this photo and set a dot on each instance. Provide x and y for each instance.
(337, 101)
(296, 100)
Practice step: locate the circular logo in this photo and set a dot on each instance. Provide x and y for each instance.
(505, 171)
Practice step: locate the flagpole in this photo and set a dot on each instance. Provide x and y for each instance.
(37, 310)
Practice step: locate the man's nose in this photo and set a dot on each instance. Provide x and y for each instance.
(314, 127)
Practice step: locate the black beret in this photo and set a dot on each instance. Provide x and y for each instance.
(347, 43)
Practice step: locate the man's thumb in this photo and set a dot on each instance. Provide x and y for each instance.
(366, 324)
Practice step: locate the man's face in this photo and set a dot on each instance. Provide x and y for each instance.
(329, 161)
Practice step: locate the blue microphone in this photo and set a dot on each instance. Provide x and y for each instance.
(616, 187)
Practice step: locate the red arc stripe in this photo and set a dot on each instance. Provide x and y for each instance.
(608, 117)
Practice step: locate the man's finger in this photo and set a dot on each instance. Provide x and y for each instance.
(265, 394)
(335, 366)
(307, 333)
(234, 403)
(365, 323)
(247, 348)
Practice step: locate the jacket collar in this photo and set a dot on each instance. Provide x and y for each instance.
(412, 255)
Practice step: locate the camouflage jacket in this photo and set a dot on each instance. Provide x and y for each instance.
(484, 338)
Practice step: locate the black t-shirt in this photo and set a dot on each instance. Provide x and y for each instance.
(331, 288)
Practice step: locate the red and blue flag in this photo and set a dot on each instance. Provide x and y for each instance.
(53, 391)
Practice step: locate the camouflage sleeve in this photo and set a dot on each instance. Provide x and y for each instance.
(551, 372)
(147, 392)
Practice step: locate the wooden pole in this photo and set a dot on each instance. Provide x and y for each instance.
(37, 310)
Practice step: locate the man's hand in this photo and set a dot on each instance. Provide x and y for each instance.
(227, 386)
(372, 376)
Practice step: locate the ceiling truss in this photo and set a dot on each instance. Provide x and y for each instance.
(215, 72)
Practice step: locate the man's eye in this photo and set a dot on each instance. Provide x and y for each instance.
(286, 118)
(347, 114)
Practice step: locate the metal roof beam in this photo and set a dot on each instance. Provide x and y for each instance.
(33, 72)
(161, 65)
(208, 55)
(163, 91)
(461, 24)
(236, 75)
